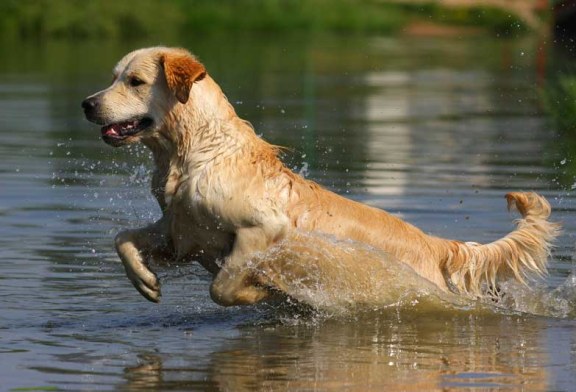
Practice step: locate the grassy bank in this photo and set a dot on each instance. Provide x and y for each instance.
(125, 19)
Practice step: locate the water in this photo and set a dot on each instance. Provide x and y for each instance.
(434, 130)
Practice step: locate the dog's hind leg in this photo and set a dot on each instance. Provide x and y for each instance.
(238, 283)
(134, 247)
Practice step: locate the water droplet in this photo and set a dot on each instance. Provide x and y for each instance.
(304, 171)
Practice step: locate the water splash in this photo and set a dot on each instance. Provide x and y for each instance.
(339, 277)
(333, 276)
(540, 300)
(304, 170)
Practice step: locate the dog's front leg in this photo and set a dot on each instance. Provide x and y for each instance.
(134, 246)
(237, 283)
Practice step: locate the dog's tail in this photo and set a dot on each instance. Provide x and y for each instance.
(521, 254)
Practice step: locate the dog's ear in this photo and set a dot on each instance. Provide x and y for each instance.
(181, 71)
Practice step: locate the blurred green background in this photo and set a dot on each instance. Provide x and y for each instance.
(80, 19)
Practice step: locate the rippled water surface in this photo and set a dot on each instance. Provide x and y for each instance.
(434, 130)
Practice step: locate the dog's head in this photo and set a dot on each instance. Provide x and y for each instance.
(147, 84)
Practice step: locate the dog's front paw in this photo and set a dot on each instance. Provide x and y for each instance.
(146, 282)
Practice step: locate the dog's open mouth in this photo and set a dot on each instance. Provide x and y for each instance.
(120, 131)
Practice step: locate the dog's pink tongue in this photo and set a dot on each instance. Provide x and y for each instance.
(111, 130)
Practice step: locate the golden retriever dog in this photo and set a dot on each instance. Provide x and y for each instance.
(226, 197)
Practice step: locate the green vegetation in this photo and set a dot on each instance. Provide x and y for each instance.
(126, 19)
(39, 19)
(284, 15)
(559, 99)
(560, 102)
(490, 18)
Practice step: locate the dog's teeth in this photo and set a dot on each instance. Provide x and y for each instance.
(121, 129)
(130, 125)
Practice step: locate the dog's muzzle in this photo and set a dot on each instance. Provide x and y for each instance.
(115, 133)
(90, 106)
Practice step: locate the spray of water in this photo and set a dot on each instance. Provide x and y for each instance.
(334, 276)
(339, 277)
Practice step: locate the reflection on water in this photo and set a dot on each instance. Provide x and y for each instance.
(415, 351)
(433, 130)
(428, 352)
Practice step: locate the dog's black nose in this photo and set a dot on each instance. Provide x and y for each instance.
(88, 104)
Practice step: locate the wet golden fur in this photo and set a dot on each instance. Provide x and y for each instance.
(225, 196)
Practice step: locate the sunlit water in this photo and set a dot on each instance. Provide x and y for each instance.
(433, 130)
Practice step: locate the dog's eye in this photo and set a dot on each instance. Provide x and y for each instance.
(135, 82)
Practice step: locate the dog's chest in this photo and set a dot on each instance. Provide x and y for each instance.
(197, 223)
